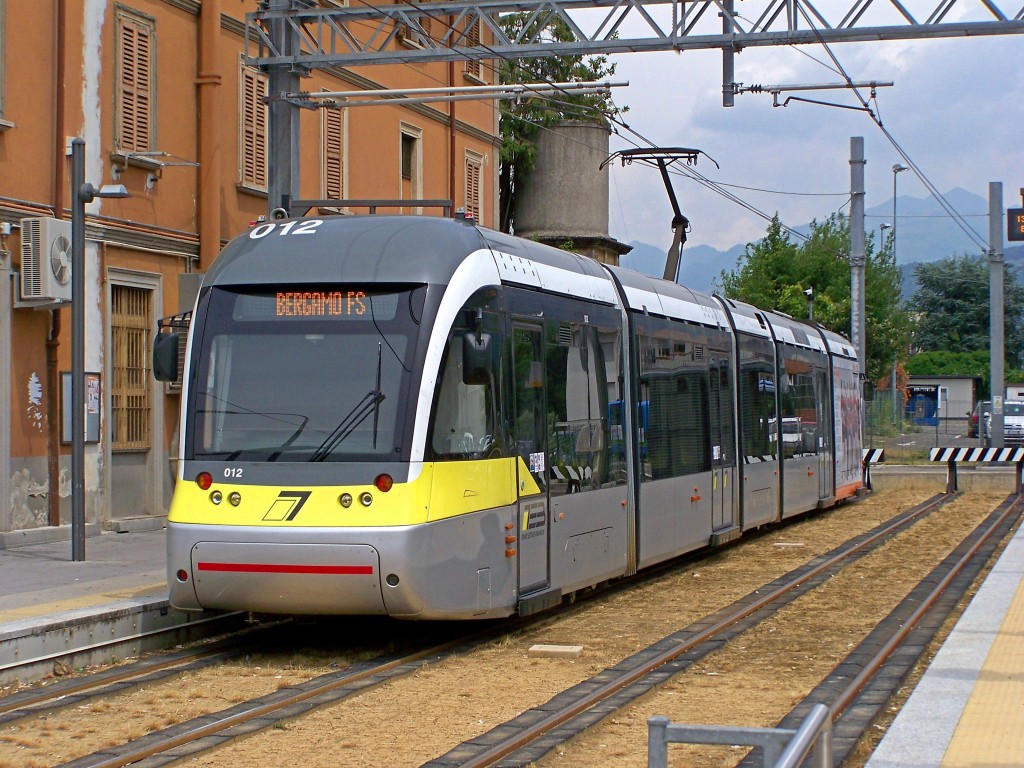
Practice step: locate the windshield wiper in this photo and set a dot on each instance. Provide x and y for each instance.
(284, 446)
(376, 408)
(370, 403)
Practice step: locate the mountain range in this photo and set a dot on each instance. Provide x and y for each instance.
(925, 233)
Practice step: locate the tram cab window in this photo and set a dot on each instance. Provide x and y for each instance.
(465, 415)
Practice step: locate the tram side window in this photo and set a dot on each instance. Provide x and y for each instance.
(800, 399)
(578, 435)
(466, 409)
(674, 383)
(757, 399)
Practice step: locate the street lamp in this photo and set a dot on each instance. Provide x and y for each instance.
(896, 169)
(81, 193)
(881, 235)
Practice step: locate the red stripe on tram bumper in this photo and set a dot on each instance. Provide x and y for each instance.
(332, 570)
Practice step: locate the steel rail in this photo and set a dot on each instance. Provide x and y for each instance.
(120, 640)
(533, 732)
(130, 756)
(850, 693)
(103, 678)
(127, 755)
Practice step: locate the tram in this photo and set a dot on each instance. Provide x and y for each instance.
(427, 419)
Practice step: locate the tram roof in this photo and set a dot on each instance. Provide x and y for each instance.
(382, 249)
(661, 297)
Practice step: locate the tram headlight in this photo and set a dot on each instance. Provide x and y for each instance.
(235, 498)
(366, 499)
(216, 497)
(345, 500)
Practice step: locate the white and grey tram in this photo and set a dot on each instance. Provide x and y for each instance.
(424, 418)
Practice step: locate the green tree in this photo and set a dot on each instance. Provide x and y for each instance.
(774, 272)
(521, 120)
(952, 302)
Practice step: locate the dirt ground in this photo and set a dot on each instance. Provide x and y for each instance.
(753, 681)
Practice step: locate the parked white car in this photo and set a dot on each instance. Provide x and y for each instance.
(1013, 423)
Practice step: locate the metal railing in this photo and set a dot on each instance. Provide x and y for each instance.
(781, 747)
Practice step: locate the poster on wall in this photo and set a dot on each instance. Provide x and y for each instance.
(93, 393)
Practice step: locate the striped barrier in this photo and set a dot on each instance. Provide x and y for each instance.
(870, 456)
(951, 456)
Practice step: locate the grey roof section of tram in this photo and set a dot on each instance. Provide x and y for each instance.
(661, 297)
(746, 317)
(379, 249)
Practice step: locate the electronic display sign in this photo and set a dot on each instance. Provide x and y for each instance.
(316, 304)
(1015, 224)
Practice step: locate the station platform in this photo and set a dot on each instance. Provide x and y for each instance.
(41, 579)
(66, 614)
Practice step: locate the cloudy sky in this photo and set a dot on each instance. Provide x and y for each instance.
(956, 109)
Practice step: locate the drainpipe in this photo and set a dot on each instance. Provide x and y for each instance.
(53, 341)
(53, 422)
(60, 146)
(208, 84)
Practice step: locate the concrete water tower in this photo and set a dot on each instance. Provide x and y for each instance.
(564, 200)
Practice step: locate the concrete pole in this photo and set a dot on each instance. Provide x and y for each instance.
(283, 118)
(728, 57)
(995, 311)
(857, 258)
(210, 107)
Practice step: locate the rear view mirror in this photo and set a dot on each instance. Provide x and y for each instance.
(477, 358)
(869, 391)
(165, 357)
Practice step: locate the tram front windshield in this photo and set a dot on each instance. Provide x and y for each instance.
(302, 374)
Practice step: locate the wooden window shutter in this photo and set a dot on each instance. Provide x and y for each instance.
(334, 153)
(473, 39)
(135, 85)
(253, 153)
(474, 196)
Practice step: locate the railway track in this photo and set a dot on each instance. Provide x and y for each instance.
(123, 631)
(538, 730)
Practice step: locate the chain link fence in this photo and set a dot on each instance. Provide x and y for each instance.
(908, 431)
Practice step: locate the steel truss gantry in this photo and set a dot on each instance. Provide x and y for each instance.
(288, 38)
(367, 34)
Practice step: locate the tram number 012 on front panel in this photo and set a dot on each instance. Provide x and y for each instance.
(1015, 224)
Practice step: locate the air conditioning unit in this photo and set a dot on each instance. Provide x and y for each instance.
(45, 260)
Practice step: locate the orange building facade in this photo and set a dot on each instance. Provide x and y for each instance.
(161, 94)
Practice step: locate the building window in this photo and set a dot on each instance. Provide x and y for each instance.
(411, 160)
(252, 140)
(408, 155)
(333, 125)
(135, 51)
(130, 391)
(474, 179)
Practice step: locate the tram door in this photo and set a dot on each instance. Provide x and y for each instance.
(534, 524)
(826, 484)
(722, 440)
